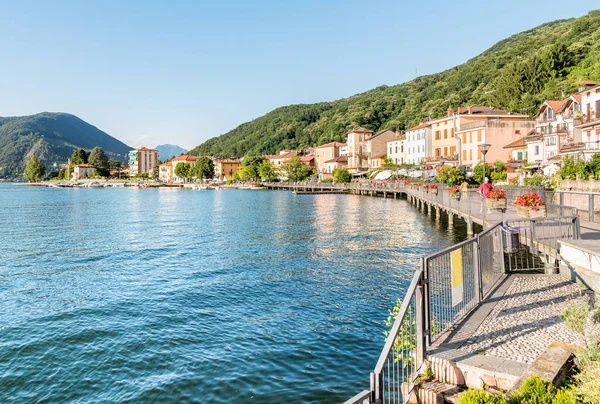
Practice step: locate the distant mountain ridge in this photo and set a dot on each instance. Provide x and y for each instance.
(516, 74)
(52, 136)
(168, 151)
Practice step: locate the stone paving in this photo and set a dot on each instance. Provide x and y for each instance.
(527, 319)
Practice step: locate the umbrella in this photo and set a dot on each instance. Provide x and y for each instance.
(384, 175)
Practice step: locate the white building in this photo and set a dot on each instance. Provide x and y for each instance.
(396, 151)
(590, 123)
(418, 143)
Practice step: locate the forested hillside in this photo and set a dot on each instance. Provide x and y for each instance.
(52, 137)
(517, 74)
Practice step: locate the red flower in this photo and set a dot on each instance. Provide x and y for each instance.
(530, 200)
(496, 194)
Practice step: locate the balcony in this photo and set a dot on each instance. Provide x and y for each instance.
(473, 125)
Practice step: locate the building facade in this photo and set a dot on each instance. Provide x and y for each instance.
(225, 169)
(358, 159)
(83, 171)
(590, 123)
(165, 172)
(396, 151)
(142, 161)
(377, 148)
(184, 159)
(418, 143)
(326, 153)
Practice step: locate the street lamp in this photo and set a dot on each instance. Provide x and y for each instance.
(483, 148)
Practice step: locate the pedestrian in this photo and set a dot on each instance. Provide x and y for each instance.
(483, 190)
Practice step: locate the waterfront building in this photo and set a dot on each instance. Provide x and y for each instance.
(278, 160)
(165, 172)
(326, 153)
(418, 143)
(83, 171)
(589, 124)
(226, 168)
(376, 147)
(142, 160)
(455, 137)
(335, 163)
(396, 151)
(183, 159)
(517, 152)
(357, 153)
(308, 160)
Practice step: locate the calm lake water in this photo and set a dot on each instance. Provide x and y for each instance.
(169, 295)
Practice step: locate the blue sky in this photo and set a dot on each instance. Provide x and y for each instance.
(153, 72)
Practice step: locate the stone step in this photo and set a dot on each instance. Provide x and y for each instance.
(475, 371)
(436, 392)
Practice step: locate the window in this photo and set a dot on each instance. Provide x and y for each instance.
(470, 137)
(437, 135)
(470, 154)
(478, 154)
(598, 109)
(452, 150)
(536, 150)
(451, 132)
(464, 154)
(397, 149)
(401, 149)
(445, 133)
(438, 152)
(464, 138)
(479, 136)
(445, 151)
(390, 149)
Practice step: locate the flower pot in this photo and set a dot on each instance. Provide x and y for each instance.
(531, 212)
(496, 203)
(455, 196)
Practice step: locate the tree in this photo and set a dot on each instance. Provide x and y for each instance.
(79, 156)
(267, 171)
(499, 172)
(251, 164)
(99, 160)
(341, 175)
(296, 170)
(447, 174)
(183, 170)
(114, 165)
(205, 168)
(34, 169)
(478, 172)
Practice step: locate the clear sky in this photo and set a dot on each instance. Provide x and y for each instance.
(153, 72)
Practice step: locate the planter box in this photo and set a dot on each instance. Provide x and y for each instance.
(496, 203)
(530, 213)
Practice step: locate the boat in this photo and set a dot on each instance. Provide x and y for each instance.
(94, 184)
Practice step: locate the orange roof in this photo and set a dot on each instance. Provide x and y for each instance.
(360, 129)
(555, 104)
(185, 157)
(230, 161)
(341, 159)
(420, 126)
(307, 158)
(517, 143)
(168, 163)
(331, 144)
(287, 155)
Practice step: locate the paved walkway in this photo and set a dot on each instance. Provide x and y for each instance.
(524, 321)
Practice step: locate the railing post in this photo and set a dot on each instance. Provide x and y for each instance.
(591, 207)
(561, 198)
(477, 265)
(420, 323)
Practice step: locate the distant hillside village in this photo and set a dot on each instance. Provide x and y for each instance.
(568, 127)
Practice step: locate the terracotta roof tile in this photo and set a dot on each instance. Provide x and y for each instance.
(517, 143)
(331, 144)
(341, 159)
(185, 157)
(360, 129)
(421, 126)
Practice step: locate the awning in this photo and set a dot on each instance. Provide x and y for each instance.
(384, 175)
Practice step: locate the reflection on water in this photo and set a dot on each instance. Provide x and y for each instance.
(178, 295)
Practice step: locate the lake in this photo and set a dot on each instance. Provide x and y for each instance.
(171, 295)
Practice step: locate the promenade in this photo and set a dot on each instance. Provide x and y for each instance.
(511, 301)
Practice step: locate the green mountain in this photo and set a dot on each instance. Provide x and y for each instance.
(516, 74)
(52, 137)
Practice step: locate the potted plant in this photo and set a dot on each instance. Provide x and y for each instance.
(496, 199)
(433, 188)
(425, 187)
(454, 191)
(530, 206)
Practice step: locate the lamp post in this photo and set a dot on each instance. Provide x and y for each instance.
(484, 147)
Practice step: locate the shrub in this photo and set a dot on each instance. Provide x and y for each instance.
(565, 396)
(480, 397)
(534, 391)
(588, 382)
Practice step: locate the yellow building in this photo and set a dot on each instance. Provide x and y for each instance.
(226, 168)
(184, 159)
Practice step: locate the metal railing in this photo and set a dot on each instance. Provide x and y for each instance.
(588, 203)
